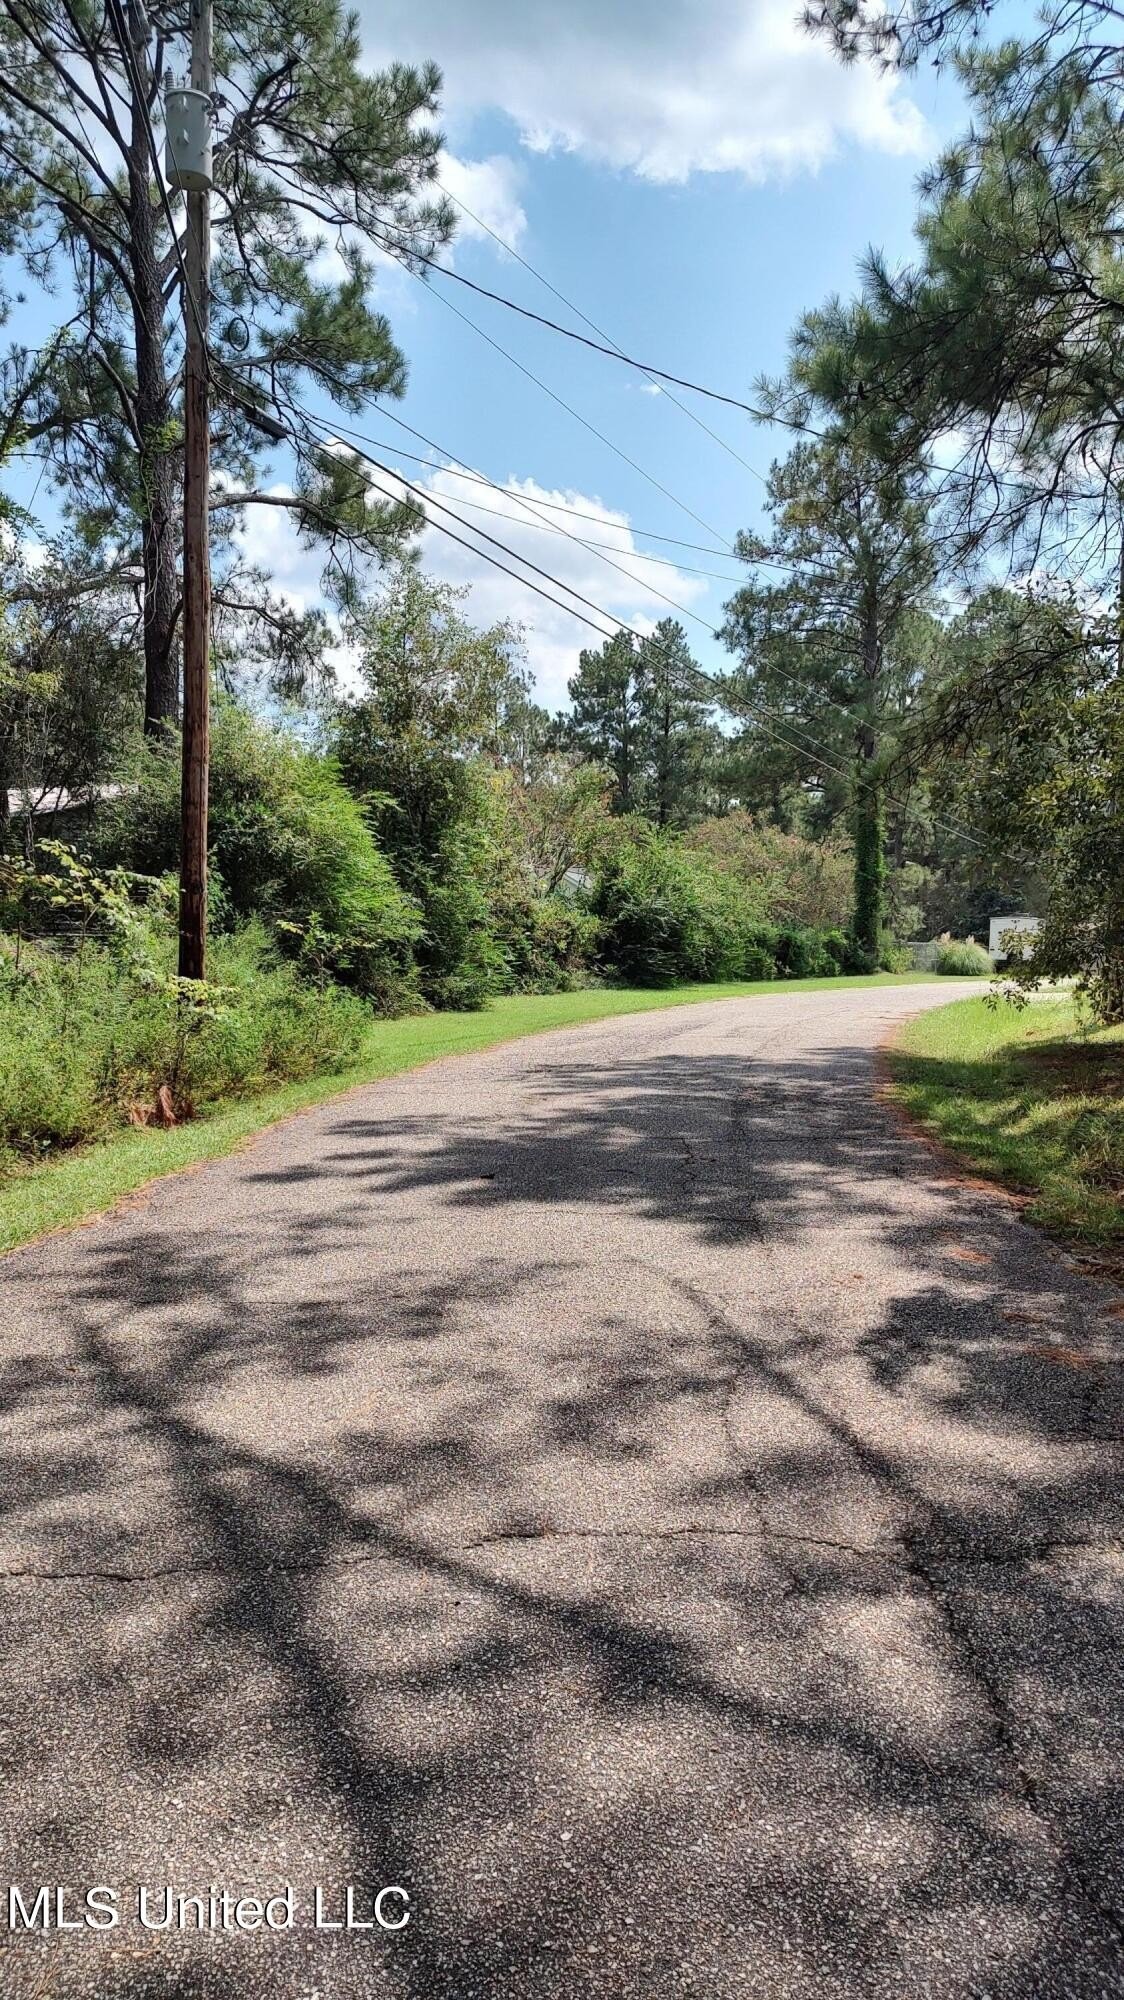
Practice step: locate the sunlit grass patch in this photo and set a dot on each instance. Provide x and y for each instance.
(1033, 1098)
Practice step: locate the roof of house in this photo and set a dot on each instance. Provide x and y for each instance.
(56, 799)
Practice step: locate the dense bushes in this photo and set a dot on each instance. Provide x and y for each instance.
(966, 960)
(807, 883)
(94, 1036)
(418, 870)
(667, 913)
(289, 844)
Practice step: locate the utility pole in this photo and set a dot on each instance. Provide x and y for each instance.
(189, 163)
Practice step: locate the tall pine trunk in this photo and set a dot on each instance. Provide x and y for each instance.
(870, 818)
(870, 856)
(158, 453)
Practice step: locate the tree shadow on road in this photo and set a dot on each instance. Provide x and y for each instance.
(710, 1638)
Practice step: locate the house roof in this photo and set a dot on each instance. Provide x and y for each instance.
(56, 799)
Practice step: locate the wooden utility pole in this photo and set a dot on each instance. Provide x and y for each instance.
(195, 178)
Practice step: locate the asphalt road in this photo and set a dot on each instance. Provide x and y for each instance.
(616, 1488)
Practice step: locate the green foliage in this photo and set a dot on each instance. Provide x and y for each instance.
(1031, 1097)
(795, 880)
(603, 725)
(96, 1028)
(69, 683)
(1075, 811)
(548, 944)
(963, 959)
(870, 876)
(440, 700)
(312, 146)
(667, 914)
(640, 711)
(289, 844)
(678, 741)
(830, 646)
(800, 953)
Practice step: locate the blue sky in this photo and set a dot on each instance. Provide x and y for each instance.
(692, 174)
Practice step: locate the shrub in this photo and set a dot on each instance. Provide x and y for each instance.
(803, 882)
(549, 944)
(669, 914)
(664, 914)
(88, 1039)
(965, 960)
(289, 844)
(898, 957)
(803, 954)
(669, 911)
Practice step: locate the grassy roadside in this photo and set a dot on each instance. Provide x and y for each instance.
(1030, 1099)
(36, 1199)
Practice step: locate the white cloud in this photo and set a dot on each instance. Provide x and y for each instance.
(489, 188)
(267, 539)
(688, 86)
(553, 637)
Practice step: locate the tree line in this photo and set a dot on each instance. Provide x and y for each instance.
(919, 723)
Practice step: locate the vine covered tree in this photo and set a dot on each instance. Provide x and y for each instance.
(826, 665)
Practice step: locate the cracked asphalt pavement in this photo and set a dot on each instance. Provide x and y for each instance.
(618, 1488)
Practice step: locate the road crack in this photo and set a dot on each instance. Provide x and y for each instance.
(904, 1551)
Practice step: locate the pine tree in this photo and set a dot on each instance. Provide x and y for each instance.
(679, 741)
(605, 723)
(315, 157)
(825, 664)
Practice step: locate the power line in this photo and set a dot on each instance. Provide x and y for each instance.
(459, 468)
(454, 470)
(528, 505)
(708, 680)
(465, 471)
(614, 353)
(620, 624)
(691, 415)
(547, 527)
(613, 348)
(121, 33)
(576, 414)
(729, 547)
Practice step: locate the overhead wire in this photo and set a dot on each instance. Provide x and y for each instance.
(646, 368)
(461, 468)
(354, 434)
(756, 714)
(602, 438)
(128, 57)
(614, 346)
(619, 624)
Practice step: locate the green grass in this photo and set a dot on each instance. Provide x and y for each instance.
(1033, 1099)
(36, 1199)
